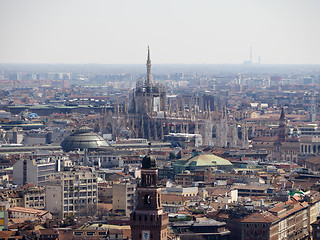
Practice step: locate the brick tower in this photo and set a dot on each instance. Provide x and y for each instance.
(282, 130)
(149, 221)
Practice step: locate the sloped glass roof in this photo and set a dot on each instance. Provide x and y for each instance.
(83, 138)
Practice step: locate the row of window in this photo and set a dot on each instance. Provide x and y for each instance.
(34, 198)
(82, 194)
(81, 201)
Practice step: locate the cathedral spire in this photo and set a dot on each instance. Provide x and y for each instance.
(149, 81)
(282, 115)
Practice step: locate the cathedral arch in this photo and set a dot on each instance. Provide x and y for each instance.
(96, 128)
(214, 131)
(108, 128)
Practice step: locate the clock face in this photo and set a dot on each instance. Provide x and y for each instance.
(146, 235)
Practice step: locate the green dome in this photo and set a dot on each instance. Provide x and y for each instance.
(208, 160)
(201, 161)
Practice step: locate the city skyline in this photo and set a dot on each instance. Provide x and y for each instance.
(179, 32)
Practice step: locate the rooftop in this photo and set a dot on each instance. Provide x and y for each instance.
(83, 138)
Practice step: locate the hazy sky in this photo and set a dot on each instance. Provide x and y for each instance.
(178, 31)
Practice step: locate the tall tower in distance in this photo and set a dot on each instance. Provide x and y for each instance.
(149, 81)
(313, 112)
(282, 130)
(149, 97)
(148, 221)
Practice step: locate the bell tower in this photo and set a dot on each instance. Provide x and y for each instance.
(282, 130)
(149, 221)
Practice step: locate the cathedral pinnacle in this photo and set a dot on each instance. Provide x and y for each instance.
(149, 81)
(282, 115)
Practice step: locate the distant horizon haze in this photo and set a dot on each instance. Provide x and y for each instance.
(215, 69)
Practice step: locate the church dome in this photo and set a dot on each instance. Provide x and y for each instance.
(148, 162)
(83, 138)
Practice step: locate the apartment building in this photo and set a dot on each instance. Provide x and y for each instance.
(124, 197)
(34, 171)
(27, 196)
(293, 219)
(34, 197)
(105, 159)
(286, 220)
(73, 192)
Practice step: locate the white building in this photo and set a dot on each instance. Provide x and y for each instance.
(183, 191)
(73, 192)
(34, 171)
(103, 159)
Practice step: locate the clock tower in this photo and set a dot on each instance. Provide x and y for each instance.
(148, 221)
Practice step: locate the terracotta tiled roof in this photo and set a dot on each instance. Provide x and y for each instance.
(265, 139)
(13, 221)
(216, 191)
(36, 212)
(264, 217)
(170, 198)
(47, 232)
(284, 209)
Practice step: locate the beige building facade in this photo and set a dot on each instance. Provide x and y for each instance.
(73, 192)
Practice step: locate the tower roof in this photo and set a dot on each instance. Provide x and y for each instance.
(148, 162)
(282, 116)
